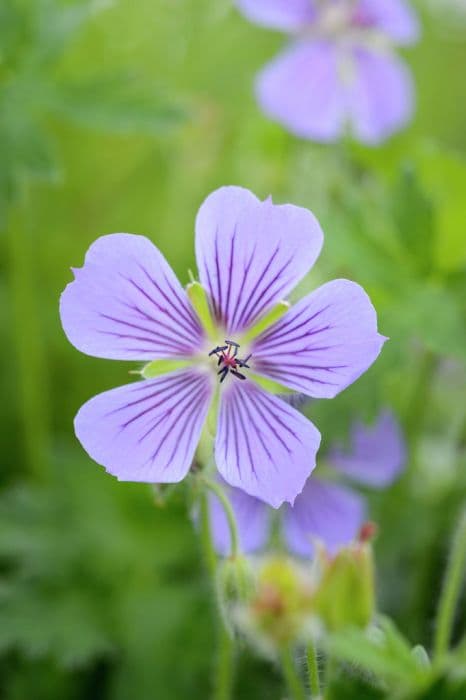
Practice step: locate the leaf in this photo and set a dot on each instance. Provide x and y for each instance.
(444, 176)
(433, 314)
(381, 651)
(118, 104)
(413, 214)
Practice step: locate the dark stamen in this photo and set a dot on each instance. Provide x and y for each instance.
(228, 360)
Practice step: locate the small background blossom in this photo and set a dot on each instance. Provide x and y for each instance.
(340, 69)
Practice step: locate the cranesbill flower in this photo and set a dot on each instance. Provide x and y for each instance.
(207, 347)
(340, 70)
(325, 511)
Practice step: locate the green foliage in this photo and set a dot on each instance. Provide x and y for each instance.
(33, 39)
(87, 578)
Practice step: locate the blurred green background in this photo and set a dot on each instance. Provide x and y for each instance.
(123, 116)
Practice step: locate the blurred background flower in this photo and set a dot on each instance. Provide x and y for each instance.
(340, 72)
(324, 513)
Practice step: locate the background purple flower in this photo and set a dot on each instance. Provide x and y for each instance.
(376, 453)
(324, 511)
(126, 303)
(340, 71)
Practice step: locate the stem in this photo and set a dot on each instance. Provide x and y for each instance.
(330, 668)
(451, 590)
(313, 670)
(223, 677)
(219, 492)
(291, 676)
(419, 402)
(27, 338)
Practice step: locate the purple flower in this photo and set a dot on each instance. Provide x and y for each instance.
(126, 304)
(324, 511)
(340, 70)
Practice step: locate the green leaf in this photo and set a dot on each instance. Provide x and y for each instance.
(381, 651)
(118, 104)
(413, 214)
(444, 177)
(433, 314)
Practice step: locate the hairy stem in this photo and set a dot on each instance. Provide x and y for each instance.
(313, 670)
(222, 497)
(451, 590)
(293, 681)
(223, 675)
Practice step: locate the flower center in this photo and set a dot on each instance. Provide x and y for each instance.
(228, 360)
(342, 19)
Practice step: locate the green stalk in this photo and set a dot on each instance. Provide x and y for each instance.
(419, 402)
(223, 675)
(293, 681)
(452, 584)
(219, 492)
(28, 346)
(313, 670)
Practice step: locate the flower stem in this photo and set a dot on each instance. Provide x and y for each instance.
(313, 670)
(419, 401)
(451, 590)
(219, 492)
(291, 676)
(28, 338)
(223, 676)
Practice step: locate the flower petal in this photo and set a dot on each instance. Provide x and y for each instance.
(323, 512)
(250, 254)
(395, 18)
(377, 453)
(302, 90)
(126, 303)
(288, 15)
(149, 430)
(252, 520)
(263, 445)
(380, 97)
(323, 343)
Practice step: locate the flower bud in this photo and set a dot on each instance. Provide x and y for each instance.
(345, 595)
(236, 583)
(279, 612)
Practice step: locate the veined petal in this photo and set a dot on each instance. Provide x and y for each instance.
(323, 343)
(287, 15)
(395, 18)
(147, 431)
(250, 254)
(377, 453)
(325, 513)
(380, 96)
(126, 304)
(263, 445)
(252, 520)
(302, 89)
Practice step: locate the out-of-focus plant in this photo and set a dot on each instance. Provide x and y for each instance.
(34, 39)
(35, 91)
